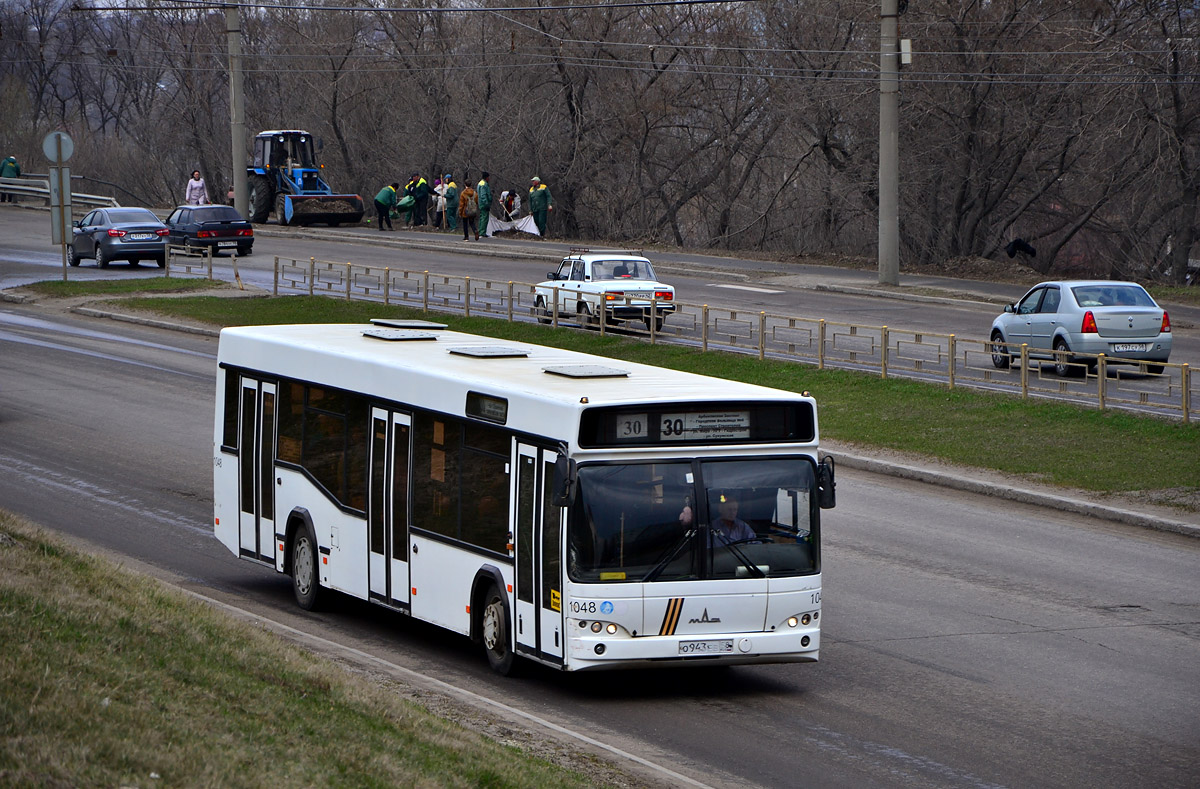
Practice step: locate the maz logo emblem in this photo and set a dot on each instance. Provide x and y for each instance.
(704, 619)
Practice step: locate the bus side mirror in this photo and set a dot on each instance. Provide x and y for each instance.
(826, 486)
(564, 482)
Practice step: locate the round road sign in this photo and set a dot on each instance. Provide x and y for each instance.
(55, 142)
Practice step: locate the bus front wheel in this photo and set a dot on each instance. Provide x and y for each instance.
(495, 633)
(305, 582)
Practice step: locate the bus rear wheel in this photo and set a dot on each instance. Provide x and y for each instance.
(305, 582)
(495, 632)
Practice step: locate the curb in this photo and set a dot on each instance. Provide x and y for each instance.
(1019, 495)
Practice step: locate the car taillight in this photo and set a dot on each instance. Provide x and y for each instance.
(1089, 324)
(613, 295)
(206, 234)
(112, 231)
(1166, 324)
(246, 232)
(664, 295)
(162, 232)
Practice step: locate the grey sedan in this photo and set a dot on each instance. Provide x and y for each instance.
(1085, 317)
(108, 234)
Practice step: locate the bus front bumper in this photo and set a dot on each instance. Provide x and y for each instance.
(800, 645)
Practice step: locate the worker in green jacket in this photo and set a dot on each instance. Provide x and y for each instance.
(451, 195)
(485, 204)
(540, 201)
(384, 201)
(9, 169)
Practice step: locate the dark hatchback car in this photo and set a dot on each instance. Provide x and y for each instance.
(219, 227)
(109, 234)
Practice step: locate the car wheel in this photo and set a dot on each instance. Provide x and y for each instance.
(1062, 359)
(658, 324)
(161, 261)
(586, 319)
(245, 250)
(543, 314)
(1000, 356)
(133, 263)
(494, 627)
(1155, 369)
(101, 258)
(72, 258)
(305, 582)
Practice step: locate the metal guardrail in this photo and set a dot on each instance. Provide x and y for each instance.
(40, 190)
(927, 356)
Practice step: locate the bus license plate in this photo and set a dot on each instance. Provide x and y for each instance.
(719, 646)
(1129, 347)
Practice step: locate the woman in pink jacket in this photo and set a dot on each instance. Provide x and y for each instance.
(196, 192)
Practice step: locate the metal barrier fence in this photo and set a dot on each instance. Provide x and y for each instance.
(40, 189)
(927, 356)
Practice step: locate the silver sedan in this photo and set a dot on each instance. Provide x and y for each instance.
(1080, 319)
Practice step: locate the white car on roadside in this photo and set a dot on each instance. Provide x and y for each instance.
(613, 285)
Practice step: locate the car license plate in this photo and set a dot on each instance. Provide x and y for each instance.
(720, 646)
(1129, 347)
(227, 243)
(639, 294)
(142, 236)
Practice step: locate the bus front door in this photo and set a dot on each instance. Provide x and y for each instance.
(538, 624)
(387, 568)
(256, 471)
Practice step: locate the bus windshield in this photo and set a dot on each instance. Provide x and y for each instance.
(692, 520)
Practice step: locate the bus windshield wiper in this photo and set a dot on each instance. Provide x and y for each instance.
(671, 554)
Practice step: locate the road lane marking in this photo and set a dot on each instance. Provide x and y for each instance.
(745, 287)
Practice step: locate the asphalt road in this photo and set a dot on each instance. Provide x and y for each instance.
(968, 641)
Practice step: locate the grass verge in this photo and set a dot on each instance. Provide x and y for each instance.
(111, 679)
(117, 287)
(1102, 451)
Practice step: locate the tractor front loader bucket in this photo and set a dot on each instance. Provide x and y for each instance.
(331, 210)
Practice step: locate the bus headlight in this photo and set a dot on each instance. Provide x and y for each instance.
(792, 621)
(611, 629)
(596, 627)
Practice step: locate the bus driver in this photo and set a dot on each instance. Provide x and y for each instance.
(728, 527)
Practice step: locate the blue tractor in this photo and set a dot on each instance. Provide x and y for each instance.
(285, 177)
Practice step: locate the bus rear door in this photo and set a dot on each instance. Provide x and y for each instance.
(256, 471)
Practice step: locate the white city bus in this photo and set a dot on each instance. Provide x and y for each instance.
(551, 505)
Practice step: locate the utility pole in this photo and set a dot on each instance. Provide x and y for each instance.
(889, 145)
(237, 109)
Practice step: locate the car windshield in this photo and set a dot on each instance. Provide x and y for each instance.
(622, 269)
(687, 520)
(1112, 296)
(216, 213)
(131, 215)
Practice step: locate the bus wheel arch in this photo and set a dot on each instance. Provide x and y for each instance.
(491, 622)
(302, 559)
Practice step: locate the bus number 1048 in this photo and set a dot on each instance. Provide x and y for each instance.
(583, 606)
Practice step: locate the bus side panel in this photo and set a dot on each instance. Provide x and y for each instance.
(441, 582)
(341, 537)
(225, 502)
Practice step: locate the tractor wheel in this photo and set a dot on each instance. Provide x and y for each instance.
(260, 198)
(280, 204)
